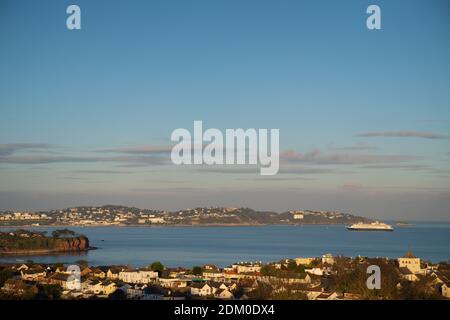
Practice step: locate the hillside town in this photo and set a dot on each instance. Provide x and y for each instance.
(303, 278)
(110, 215)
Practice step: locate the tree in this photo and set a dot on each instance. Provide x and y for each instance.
(5, 275)
(351, 277)
(389, 279)
(63, 233)
(262, 291)
(157, 266)
(314, 263)
(419, 290)
(197, 270)
(118, 295)
(292, 265)
(49, 292)
(289, 295)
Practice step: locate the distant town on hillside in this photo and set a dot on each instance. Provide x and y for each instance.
(122, 216)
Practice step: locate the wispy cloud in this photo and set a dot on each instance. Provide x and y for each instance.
(302, 170)
(403, 134)
(277, 178)
(46, 159)
(352, 186)
(292, 162)
(409, 166)
(41, 153)
(43, 159)
(139, 150)
(141, 161)
(285, 169)
(11, 148)
(316, 157)
(357, 147)
(100, 171)
(74, 178)
(440, 171)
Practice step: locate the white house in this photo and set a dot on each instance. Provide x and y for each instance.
(410, 262)
(202, 289)
(315, 271)
(303, 261)
(328, 258)
(173, 282)
(134, 292)
(408, 275)
(445, 290)
(156, 220)
(141, 276)
(113, 273)
(211, 275)
(247, 268)
(100, 287)
(32, 274)
(223, 294)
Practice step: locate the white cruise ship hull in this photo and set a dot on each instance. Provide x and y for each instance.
(369, 229)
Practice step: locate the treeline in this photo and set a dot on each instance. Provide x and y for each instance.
(351, 277)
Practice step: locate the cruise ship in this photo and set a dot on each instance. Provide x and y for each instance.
(374, 226)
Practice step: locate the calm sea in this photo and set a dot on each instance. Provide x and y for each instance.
(189, 246)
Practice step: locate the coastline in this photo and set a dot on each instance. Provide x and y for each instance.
(43, 252)
(174, 225)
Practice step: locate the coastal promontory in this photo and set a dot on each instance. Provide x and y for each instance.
(32, 242)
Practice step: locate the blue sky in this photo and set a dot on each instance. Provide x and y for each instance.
(363, 115)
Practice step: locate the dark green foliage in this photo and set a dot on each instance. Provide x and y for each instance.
(289, 271)
(157, 266)
(197, 270)
(352, 276)
(48, 292)
(63, 233)
(419, 290)
(262, 291)
(5, 275)
(117, 295)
